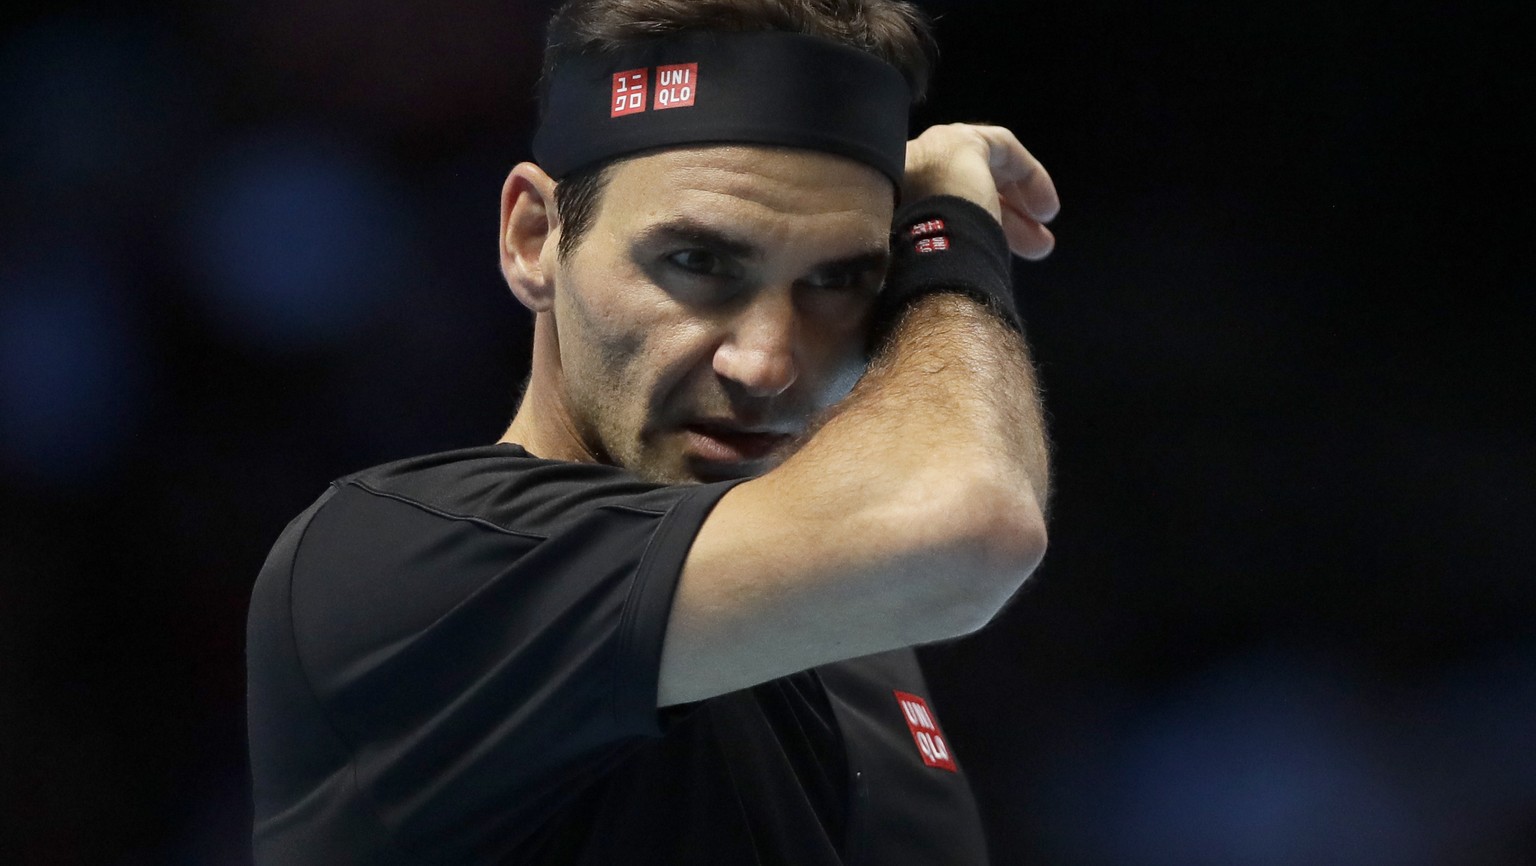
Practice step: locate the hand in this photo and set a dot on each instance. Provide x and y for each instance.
(989, 166)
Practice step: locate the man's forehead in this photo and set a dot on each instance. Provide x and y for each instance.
(749, 181)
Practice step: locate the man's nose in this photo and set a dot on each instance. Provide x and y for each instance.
(758, 352)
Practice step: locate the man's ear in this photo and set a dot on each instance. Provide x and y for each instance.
(529, 223)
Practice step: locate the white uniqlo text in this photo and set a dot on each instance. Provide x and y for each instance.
(676, 85)
(629, 92)
(933, 245)
(931, 744)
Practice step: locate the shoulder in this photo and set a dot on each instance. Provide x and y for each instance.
(393, 548)
(384, 552)
(502, 487)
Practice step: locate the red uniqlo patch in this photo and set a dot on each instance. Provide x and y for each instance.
(933, 245)
(925, 732)
(676, 86)
(629, 92)
(926, 228)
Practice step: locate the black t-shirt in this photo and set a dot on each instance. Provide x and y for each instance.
(454, 659)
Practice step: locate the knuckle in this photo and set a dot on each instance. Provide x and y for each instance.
(974, 137)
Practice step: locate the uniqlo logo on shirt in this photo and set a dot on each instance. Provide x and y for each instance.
(926, 228)
(933, 245)
(629, 92)
(676, 85)
(925, 732)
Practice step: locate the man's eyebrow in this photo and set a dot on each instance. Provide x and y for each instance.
(858, 263)
(687, 230)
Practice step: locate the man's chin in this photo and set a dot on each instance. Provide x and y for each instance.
(693, 468)
(695, 471)
(708, 471)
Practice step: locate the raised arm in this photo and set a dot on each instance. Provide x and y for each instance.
(914, 512)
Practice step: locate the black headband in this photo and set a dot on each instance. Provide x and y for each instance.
(710, 87)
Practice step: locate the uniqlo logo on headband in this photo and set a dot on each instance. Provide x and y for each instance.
(629, 90)
(931, 744)
(676, 85)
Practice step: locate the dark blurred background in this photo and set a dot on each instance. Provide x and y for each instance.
(1288, 615)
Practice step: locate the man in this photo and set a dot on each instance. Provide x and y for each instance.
(767, 446)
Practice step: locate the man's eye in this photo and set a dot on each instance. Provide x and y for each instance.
(702, 262)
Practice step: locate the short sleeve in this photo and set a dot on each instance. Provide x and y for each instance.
(484, 671)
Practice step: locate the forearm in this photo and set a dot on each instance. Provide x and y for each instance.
(954, 383)
(951, 394)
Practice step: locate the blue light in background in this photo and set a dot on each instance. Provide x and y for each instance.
(294, 241)
(1479, 744)
(1261, 762)
(72, 372)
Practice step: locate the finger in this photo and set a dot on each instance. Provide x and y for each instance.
(1019, 175)
(1035, 195)
(1027, 237)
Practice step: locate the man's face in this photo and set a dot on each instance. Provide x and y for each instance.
(718, 301)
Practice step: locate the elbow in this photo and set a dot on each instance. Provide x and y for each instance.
(1010, 528)
(999, 540)
(1012, 541)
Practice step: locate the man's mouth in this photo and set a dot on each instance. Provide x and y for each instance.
(716, 442)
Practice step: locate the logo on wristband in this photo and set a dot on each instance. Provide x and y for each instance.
(929, 235)
(926, 228)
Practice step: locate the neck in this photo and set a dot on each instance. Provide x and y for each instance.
(543, 424)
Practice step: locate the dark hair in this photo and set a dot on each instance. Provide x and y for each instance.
(893, 30)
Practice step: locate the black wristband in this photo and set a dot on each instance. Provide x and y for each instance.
(945, 243)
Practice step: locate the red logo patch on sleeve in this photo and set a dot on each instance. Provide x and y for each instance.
(629, 92)
(931, 744)
(677, 85)
(933, 245)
